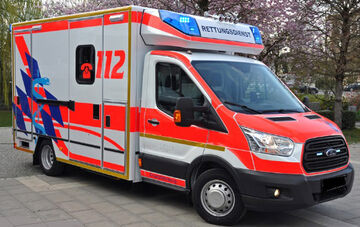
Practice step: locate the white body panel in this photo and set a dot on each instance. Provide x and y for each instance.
(108, 127)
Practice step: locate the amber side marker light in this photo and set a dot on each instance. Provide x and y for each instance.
(177, 116)
(140, 162)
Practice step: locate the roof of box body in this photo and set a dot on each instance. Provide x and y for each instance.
(165, 28)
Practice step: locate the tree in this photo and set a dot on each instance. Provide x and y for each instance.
(12, 11)
(335, 30)
(278, 20)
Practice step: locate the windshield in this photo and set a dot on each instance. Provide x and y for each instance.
(247, 88)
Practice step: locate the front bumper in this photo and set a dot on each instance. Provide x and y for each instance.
(296, 191)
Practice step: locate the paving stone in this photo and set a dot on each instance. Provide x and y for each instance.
(67, 223)
(102, 224)
(74, 192)
(17, 212)
(5, 223)
(3, 193)
(57, 196)
(105, 207)
(204, 224)
(119, 199)
(24, 220)
(9, 204)
(139, 224)
(123, 217)
(137, 208)
(53, 215)
(88, 198)
(101, 191)
(8, 182)
(155, 218)
(333, 212)
(189, 217)
(354, 221)
(88, 216)
(18, 189)
(173, 224)
(170, 210)
(53, 180)
(319, 219)
(40, 205)
(35, 225)
(73, 206)
(28, 197)
(6, 197)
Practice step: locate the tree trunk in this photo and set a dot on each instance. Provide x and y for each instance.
(338, 100)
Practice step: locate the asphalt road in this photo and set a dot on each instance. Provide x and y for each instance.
(131, 204)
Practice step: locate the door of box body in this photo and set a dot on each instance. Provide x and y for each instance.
(115, 94)
(86, 118)
(23, 105)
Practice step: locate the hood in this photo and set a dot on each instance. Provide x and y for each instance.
(297, 126)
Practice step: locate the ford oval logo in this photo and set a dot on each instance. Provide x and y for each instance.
(331, 152)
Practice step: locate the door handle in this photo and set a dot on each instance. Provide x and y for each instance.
(154, 122)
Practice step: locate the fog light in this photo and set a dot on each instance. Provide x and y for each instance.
(277, 193)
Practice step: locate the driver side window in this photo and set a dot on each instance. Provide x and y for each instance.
(171, 83)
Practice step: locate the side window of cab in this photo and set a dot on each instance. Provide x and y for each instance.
(171, 83)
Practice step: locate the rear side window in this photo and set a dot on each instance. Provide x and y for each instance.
(171, 83)
(85, 64)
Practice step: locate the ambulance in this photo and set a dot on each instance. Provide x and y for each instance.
(149, 95)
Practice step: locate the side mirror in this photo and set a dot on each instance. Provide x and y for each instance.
(184, 112)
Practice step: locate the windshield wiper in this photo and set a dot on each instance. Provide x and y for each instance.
(281, 111)
(243, 106)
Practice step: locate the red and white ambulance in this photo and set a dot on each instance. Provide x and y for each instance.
(151, 95)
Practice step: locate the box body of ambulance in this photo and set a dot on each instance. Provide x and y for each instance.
(151, 95)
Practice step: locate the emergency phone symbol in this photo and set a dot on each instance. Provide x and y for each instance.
(86, 68)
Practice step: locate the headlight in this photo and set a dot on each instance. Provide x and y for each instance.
(269, 144)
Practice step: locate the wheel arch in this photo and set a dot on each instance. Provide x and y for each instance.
(36, 156)
(206, 162)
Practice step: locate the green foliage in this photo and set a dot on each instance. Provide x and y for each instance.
(358, 115)
(5, 119)
(352, 135)
(348, 118)
(326, 102)
(12, 11)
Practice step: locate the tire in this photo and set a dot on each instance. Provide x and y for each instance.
(217, 199)
(47, 160)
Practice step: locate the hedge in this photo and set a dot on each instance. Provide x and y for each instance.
(348, 118)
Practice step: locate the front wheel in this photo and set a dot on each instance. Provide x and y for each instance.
(217, 198)
(48, 162)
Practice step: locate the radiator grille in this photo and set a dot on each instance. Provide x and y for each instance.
(325, 153)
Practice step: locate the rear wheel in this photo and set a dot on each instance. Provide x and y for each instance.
(48, 162)
(217, 198)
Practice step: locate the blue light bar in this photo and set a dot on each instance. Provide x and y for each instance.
(183, 23)
(257, 35)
